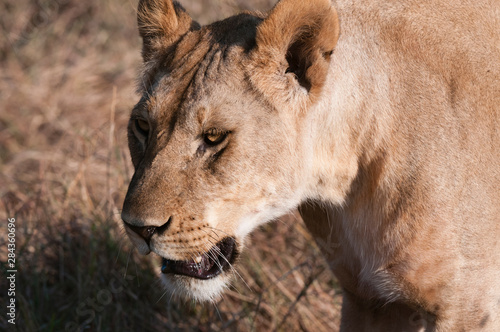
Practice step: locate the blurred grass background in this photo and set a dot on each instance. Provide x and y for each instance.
(67, 75)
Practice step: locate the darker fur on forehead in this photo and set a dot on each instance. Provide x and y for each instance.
(239, 30)
(186, 53)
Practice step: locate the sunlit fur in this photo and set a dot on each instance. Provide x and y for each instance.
(379, 120)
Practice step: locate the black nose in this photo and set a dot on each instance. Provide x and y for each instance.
(146, 232)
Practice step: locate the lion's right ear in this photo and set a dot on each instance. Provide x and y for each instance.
(293, 47)
(161, 24)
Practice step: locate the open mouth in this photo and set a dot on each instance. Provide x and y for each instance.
(206, 266)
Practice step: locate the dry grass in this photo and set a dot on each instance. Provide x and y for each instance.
(67, 71)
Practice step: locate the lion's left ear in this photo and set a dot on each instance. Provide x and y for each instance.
(297, 39)
(161, 24)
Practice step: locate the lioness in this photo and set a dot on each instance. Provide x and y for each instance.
(380, 120)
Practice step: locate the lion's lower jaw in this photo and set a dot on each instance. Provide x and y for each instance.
(199, 290)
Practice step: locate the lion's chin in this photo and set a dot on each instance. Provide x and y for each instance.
(201, 290)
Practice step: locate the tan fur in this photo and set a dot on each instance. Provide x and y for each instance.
(389, 146)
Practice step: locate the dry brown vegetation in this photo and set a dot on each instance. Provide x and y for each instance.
(67, 73)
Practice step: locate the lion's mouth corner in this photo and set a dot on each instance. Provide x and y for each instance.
(207, 266)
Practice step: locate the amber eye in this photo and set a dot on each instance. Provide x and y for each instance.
(214, 136)
(142, 126)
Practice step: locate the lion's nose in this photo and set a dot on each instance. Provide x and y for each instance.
(146, 232)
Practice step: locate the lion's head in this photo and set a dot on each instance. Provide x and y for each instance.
(216, 139)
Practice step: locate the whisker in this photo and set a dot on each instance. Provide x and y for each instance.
(208, 234)
(126, 265)
(233, 270)
(218, 312)
(164, 293)
(217, 229)
(119, 250)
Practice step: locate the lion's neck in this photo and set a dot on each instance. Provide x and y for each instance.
(350, 125)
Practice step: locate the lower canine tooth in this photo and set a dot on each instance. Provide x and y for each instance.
(198, 259)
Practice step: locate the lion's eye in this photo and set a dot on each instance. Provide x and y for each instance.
(214, 136)
(142, 126)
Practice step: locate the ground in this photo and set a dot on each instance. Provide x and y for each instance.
(67, 75)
